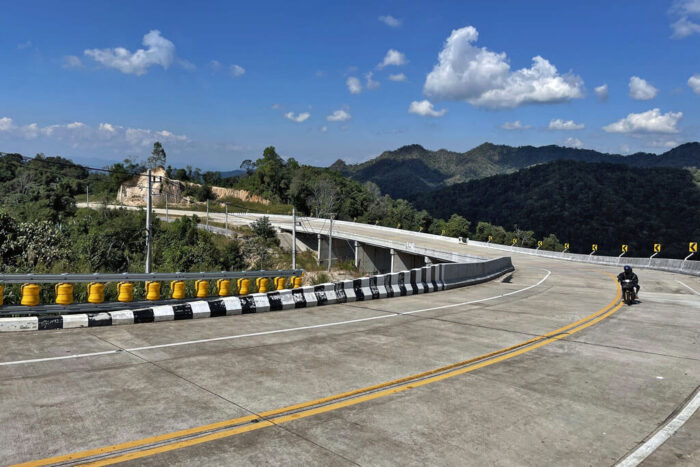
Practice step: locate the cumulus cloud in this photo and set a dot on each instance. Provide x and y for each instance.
(641, 90)
(651, 121)
(516, 125)
(390, 21)
(393, 58)
(297, 118)
(79, 133)
(484, 78)
(371, 84)
(425, 108)
(71, 61)
(158, 51)
(398, 77)
(687, 18)
(602, 92)
(573, 143)
(354, 85)
(694, 83)
(236, 70)
(559, 124)
(339, 116)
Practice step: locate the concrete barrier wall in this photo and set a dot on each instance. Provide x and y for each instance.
(419, 280)
(663, 264)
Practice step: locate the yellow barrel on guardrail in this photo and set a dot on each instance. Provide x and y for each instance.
(223, 287)
(280, 283)
(125, 291)
(177, 290)
(96, 292)
(64, 293)
(201, 288)
(263, 284)
(30, 294)
(243, 286)
(152, 290)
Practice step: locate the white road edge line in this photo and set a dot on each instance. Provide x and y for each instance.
(688, 287)
(264, 333)
(661, 436)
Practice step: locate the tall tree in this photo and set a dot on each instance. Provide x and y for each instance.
(157, 157)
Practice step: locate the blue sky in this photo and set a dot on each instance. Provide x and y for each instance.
(217, 82)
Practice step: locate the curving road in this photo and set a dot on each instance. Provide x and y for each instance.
(538, 367)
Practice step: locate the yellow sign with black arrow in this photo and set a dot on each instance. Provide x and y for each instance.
(595, 247)
(693, 248)
(625, 248)
(539, 243)
(515, 241)
(566, 246)
(657, 247)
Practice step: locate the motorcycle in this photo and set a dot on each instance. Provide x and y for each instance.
(627, 291)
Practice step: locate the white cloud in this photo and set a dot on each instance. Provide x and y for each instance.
(651, 121)
(371, 84)
(559, 124)
(425, 109)
(24, 45)
(667, 144)
(573, 143)
(641, 90)
(516, 125)
(214, 65)
(602, 92)
(393, 58)
(71, 61)
(236, 70)
(484, 78)
(276, 106)
(339, 116)
(297, 118)
(158, 51)
(79, 133)
(7, 124)
(324, 129)
(354, 85)
(694, 83)
(684, 10)
(624, 149)
(398, 77)
(390, 21)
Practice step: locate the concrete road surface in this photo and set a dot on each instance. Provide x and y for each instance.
(585, 395)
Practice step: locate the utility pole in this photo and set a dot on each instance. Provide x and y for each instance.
(294, 238)
(149, 236)
(207, 214)
(226, 221)
(87, 188)
(167, 219)
(330, 241)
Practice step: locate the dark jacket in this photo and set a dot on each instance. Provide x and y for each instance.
(631, 276)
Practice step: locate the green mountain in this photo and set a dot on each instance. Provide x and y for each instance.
(413, 169)
(583, 203)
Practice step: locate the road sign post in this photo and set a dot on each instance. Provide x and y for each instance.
(692, 248)
(594, 249)
(490, 238)
(657, 250)
(625, 249)
(566, 248)
(539, 245)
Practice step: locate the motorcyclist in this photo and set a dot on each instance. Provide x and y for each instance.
(627, 274)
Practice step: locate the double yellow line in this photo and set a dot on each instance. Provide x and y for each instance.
(181, 439)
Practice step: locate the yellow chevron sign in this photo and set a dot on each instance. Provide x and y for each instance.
(539, 243)
(595, 247)
(515, 241)
(490, 238)
(566, 246)
(657, 247)
(625, 248)
(693, 248)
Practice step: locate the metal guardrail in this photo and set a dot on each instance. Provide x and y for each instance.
(140, 277)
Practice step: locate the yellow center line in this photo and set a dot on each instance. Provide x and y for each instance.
(509, 352)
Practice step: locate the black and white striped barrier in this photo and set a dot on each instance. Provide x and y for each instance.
(416, 281)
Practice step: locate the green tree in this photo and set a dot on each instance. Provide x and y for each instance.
(157, 157)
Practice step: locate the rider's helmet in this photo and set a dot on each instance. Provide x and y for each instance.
(627, 269)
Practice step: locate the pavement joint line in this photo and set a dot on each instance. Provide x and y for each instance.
(255, 334)
(663, 433)
(337, 401)
(688, 287)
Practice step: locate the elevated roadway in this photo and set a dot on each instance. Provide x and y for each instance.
(539, 367)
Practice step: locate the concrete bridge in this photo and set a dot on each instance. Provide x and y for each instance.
(541, 366)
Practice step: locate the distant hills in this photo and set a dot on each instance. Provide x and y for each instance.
(584, 203)
(412, 169)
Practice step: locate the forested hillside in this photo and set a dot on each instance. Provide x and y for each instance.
(413, 169)
(584, 203)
